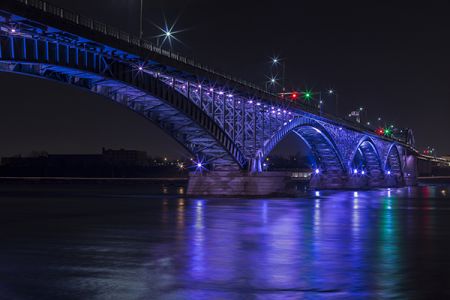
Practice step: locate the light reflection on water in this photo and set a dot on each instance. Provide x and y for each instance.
(389, 243)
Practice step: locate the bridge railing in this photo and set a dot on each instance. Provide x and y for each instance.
(145, 44)
(127, 37)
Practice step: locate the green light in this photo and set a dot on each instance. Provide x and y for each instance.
(307, 95)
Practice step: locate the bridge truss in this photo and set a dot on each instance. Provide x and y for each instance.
(229, 124)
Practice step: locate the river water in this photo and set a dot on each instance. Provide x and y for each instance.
(94, 244)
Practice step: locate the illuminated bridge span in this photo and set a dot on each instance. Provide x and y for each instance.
(230, 125)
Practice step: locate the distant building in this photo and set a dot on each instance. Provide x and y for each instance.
(110, 163)
(122, 157)
(125, 157)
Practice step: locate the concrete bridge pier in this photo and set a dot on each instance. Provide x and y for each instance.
(410, 179)
(322, 181)
(392, 181)
(244, 183)
(356, 182)
(240, 183)
(410, 170)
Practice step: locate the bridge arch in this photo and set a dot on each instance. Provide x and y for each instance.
(326, 154)
(393, 162)
(365, 160)
(128, 85)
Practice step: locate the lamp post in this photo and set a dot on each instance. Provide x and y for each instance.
(166, 35)
(276, 61)
(141, 30)
(332, 92)
(320, 106)
(360, 113)
(272, 82)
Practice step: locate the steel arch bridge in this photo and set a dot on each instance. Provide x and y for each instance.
(230, 124)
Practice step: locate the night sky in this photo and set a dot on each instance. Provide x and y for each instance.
(393, 59)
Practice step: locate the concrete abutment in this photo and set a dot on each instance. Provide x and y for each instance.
(243, 183)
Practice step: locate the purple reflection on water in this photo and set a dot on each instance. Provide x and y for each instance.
(387, 243)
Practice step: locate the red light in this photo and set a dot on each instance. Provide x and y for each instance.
(380, 131)
(294, 95)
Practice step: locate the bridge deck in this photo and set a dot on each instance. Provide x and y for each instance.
(81, 29)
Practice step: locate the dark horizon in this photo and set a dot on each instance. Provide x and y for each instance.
(391, 59)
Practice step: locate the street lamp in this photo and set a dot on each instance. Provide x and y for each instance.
(272, 82)
(141, 30)
(361, 109)
(167, 33)
(332, 92)
(276, 61)
(320, 105)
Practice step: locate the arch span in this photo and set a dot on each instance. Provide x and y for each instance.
(393, 162)
(124, 83)
(366, 161)
(327, 157)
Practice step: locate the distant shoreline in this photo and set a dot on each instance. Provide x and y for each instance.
(146, 180)
(90, 180)
(434, 179)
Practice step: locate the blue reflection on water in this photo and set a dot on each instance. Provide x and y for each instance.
(330, 245)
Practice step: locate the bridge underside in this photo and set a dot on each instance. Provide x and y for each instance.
(174, 122)
(331, 171)
(228, 125)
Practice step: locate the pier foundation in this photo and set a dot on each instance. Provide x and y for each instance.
(241, 183)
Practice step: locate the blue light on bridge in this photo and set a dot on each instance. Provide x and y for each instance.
(199, 165)
(218, 122)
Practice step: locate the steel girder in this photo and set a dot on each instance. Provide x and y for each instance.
(121, 82)
(226, 126)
